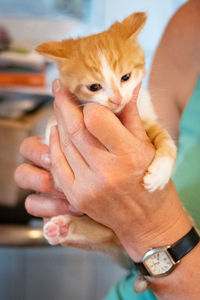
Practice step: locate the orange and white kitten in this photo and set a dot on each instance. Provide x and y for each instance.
(105, 68)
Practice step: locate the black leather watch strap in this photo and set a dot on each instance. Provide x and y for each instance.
(184, 245)
(141, 268)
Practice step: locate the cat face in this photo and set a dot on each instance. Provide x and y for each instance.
(104, 68)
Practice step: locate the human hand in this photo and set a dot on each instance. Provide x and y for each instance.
(100, 161)
(48, 201)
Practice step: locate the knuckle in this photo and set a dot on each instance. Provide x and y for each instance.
(94, 193)
(28, 202)
(31, 204)
(75, 128)
(33, 149)
(45, 182)
(110, 178)
(108, 183)
(66, 143)
(20, 175)
(24, 145)
(17, 174)
(56, 161)
(84, 199)
(132, 161)
(57, 101)
(29, 142)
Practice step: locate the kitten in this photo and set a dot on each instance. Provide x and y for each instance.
(105, 68)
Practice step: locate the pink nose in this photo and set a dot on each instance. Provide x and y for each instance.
(116, 100)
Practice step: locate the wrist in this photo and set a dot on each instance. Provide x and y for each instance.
(183, 279)
(163, 227)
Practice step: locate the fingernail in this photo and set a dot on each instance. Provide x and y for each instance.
(46, 159)
(56, 86)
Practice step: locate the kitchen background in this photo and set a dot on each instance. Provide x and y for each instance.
(29, 269)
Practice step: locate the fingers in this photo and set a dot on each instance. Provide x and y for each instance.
(45, 206)
(32, 178)
(108, 129)
(74, 157)
(60, 167)
(33, 149)
(131, 119)
(74, 136)
(102, 130)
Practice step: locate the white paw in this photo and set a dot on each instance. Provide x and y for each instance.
(158, 174)
(55, 231)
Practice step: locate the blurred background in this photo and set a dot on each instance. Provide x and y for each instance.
(30, 269)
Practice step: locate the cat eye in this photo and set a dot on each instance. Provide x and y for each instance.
(126, 77)
(94, 87)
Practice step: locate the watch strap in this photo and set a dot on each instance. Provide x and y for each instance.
(141, 268)
(184, 245)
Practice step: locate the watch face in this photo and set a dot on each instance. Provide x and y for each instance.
(158, 262)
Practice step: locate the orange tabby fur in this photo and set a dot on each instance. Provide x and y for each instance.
(79, 61)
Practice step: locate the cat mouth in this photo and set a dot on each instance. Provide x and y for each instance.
(116, 109)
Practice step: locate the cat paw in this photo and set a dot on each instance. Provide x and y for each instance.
(55, 231)
(158, 174)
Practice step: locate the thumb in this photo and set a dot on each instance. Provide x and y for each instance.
(130, 117)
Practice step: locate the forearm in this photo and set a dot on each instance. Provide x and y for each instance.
(177, 56)
(165, 227)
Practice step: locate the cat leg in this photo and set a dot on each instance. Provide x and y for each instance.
(160, 170)
(85, 233)
(80, 232)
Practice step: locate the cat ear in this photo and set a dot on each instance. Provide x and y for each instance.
(134, 23)
(55, 51)
(129, 27)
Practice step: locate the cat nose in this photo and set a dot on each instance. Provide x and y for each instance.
(116, 100)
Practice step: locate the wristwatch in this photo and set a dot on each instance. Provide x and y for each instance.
(160, 262)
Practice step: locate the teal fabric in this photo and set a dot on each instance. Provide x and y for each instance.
(187, 171)
(187, 180)
(123, 290)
